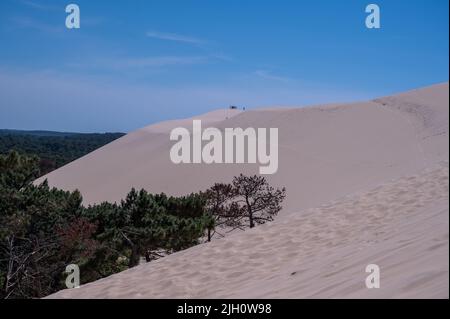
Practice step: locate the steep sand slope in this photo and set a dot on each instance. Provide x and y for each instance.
(401, 226)
(367, 183)
(325, 152)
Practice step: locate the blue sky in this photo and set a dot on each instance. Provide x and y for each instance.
(136, 62)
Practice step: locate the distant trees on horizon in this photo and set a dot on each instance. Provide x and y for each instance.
(54, 149)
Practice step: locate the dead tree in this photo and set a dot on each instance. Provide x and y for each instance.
(220, 206)
(248, 201)
(258, 201)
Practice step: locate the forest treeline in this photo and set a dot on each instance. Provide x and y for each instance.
(54, 149)
(44, 229)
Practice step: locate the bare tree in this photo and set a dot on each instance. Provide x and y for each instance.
(259, 202)
(220, 206)
(23, 277)
(248, 201)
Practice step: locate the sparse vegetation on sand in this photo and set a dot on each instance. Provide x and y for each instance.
(44, 229)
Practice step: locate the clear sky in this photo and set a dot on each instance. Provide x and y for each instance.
(136, 62)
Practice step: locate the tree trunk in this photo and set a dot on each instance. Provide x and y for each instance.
(250, 217)
(250, 212)
(147, 256)
(134, 258)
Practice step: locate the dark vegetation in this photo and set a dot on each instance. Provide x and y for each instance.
(43, 229)
(54, 149)
(246, 202)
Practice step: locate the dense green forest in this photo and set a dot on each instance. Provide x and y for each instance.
(43, 229)
(54, 149)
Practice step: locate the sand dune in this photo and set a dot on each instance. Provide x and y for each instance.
(366, 183)
(325, 152)
(402, 226)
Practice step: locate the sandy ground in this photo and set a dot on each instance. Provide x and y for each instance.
(401, 226)
(366, 183)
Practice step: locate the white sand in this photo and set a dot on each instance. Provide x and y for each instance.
(367, 183)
